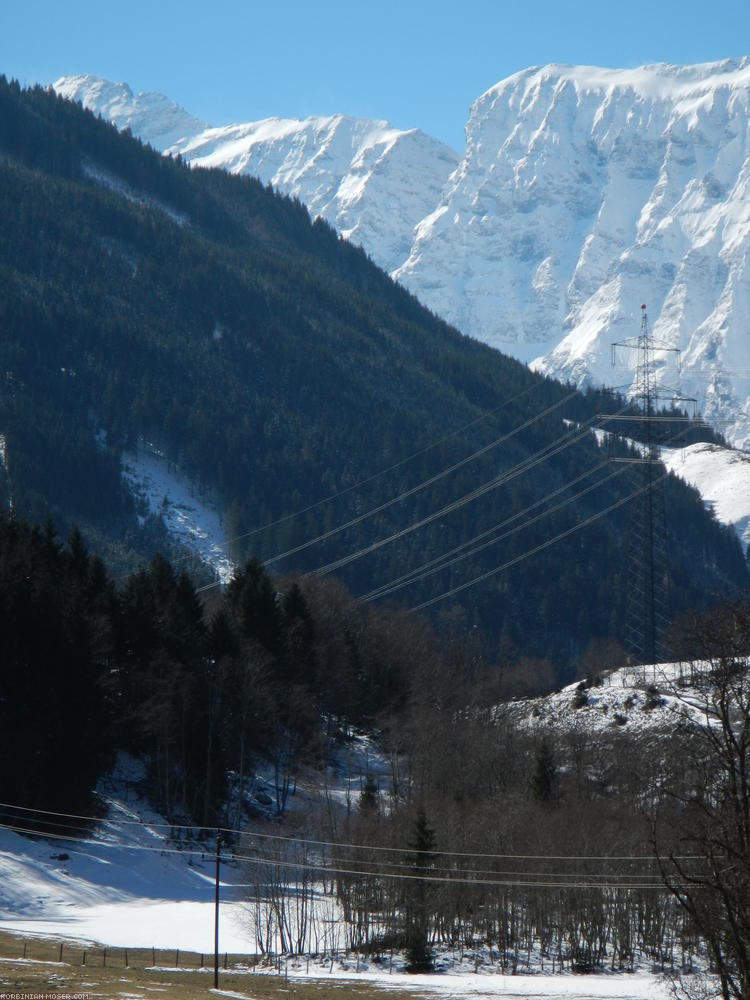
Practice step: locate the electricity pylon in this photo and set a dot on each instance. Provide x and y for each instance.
(648, 598)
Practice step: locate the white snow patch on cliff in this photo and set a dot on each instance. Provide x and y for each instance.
(722, 477)
(164, 492)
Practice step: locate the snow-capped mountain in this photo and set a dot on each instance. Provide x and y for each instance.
(152, 117)
(585, 192)
(582, 193)
(373, 183)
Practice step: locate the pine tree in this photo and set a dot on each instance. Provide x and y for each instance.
(544, 779)
(368, 797)
(419, 956)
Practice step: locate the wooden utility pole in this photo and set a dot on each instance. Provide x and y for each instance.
(216, 914)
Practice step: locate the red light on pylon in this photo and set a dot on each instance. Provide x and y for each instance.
(643, 305)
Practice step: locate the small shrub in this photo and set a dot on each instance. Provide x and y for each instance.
(580, 698)
(653, 698)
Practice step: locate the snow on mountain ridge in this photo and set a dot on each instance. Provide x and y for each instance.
(584, 192)
(353, 172)
(151, 116)
(665, 81)
(371, 181)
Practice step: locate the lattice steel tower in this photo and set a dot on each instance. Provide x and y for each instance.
(648, 602)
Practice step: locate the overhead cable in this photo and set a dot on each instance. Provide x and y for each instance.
(538, 548)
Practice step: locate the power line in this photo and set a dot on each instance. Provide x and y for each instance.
(573, 881)
(371, 478)
(98, 819)
(548, 451)
(420, 486)
(284, 862)
(531, 552)
(407, 493)
(379, 591)
(530, 882)
(430, 568)
(107, 844)
(453, 869)
(323, 843)
(443, 561)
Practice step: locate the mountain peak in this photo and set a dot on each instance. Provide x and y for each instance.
(151, 116)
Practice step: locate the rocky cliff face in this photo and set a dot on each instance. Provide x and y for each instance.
(584, 193)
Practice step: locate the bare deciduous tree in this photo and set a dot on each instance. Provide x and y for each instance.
(707, 864)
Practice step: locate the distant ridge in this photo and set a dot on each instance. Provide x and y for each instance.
(581, 193)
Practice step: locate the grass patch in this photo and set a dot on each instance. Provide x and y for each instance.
(42, 971)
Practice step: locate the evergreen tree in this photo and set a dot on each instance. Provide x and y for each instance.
(368, 797)
(419, 957)
(544, 779)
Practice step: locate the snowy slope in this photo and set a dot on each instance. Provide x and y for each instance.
(161, 491)
(373, 183)
(582, 192)
(127, 886)
(721, 476)
(621, 701)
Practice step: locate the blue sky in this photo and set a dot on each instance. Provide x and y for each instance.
(412, 63)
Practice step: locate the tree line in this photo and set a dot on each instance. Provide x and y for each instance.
(491, 836)
(198, 687)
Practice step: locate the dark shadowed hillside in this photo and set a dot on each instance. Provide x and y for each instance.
(277, 366)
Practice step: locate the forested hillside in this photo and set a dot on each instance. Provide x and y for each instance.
(277, 367)
(199, 691)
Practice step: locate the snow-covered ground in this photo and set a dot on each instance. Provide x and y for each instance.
(636, 699)
(165, 493)
(130, 885)
(461, 982)
(721, 476)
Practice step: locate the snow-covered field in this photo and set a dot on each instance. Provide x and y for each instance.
(127, 885)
